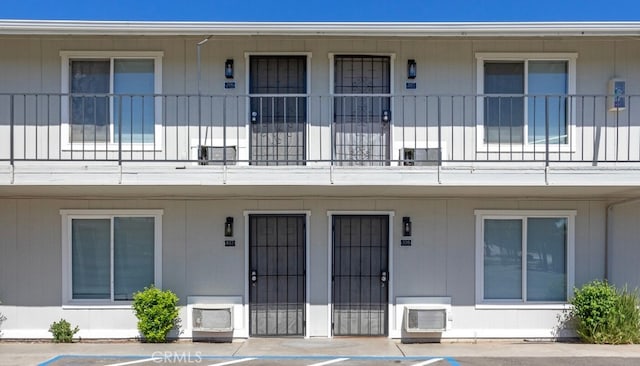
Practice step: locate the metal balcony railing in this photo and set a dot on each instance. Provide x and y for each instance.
(303, 129)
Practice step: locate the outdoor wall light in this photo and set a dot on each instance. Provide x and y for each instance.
(406, 226)
(228, 227)
(412, 69)
(228, 69)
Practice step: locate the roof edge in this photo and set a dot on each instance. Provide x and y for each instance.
(424, 29)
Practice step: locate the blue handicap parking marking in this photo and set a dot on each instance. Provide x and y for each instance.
(451, 361)
(302, 360)
(91, 360)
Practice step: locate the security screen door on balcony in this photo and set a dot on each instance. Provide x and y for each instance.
(362, 87)
(112, 99)
(278, 115)
(525, 98)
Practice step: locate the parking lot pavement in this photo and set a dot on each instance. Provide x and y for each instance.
(317, 352)
(184, 359)
(549, 361)
(333, 361)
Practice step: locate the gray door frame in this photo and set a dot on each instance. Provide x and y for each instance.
(307, 240)
(391, 294)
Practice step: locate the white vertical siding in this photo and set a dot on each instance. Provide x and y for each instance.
(445, 67)
(624, 245)
(440, 261)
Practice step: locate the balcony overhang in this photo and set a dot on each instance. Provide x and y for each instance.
(368, 29)
(179, 181)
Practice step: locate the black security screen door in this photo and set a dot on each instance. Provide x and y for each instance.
(360, 275)
(278, 87)
(276, 275)
(362, 114)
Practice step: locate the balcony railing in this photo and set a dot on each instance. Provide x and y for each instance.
(300, 129)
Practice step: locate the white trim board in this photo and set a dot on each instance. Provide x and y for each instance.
(361, 29)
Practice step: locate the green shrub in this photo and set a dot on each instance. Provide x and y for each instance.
(627, 322)
(157, 313)
(62, 332)
(605, 315)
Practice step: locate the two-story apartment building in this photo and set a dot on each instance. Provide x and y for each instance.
(316, 178)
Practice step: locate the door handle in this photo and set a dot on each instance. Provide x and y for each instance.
(253, 277)
(254, 117)
(386, 116)
(384, 278)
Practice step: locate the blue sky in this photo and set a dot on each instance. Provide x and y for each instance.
(323, 10)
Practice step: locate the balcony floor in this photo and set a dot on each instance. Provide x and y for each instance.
(97, 179)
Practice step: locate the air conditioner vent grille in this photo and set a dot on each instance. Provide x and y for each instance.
(216, 155)
(212, 320)
(425, 320)
(420, 156)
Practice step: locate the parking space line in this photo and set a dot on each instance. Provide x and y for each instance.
(134, 362)
(428, 362)
(232, 362)
(336, 360)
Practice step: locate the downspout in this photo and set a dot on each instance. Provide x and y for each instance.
(607, 230)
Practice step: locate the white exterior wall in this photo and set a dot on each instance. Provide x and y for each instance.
(195, 262)
(624, 245)
(445, 67)
(441, 261)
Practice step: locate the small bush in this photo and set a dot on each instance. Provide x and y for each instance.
(627, 324)
(157, 313)
(62, 332)
(605, 315)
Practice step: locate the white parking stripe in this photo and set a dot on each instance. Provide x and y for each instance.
(232, 362)
(428, 362)
(329, 362)
(134, 362)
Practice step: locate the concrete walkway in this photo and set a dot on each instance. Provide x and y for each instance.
(20, 353)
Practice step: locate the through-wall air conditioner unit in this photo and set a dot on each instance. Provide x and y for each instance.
(212, 318)
(420, 319)
(215, 155)
(424, 156)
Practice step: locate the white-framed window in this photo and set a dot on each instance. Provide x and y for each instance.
(110, 99)
(110, 254)
(524, 257)
(525, 99)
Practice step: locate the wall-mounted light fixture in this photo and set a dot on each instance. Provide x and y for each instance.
(412, 69)
(228, 69)
(406, 226)
(228, 227)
